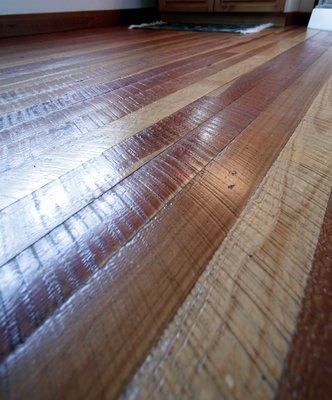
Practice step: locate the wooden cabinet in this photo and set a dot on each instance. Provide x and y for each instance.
(221, 5)
(186, 5)
(249, 6)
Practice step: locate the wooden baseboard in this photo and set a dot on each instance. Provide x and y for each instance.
(27, 24)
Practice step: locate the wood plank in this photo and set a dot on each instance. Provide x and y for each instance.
(227, 43)
(118, 162)
(307, 369)
(150, 276)
(125, 50)
(122, 160)
(127, 159)
(34, 56)
(18, 123)
(59, 161)
(227, 39)
(230, 337)
(74, 62)
(74, 108)
(72, 104)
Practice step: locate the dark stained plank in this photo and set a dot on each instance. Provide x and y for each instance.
(307, 370)
(175, 211)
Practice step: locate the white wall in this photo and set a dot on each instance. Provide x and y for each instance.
(292, 5)
(46, 6)
(298, 5)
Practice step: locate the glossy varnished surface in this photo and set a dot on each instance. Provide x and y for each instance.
(249, 295)
(126, 159)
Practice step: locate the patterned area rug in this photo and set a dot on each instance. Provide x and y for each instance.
(177, 26)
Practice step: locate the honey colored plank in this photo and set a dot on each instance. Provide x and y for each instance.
(307, 369)
(62, 159)
(230, 337)
(128, 301)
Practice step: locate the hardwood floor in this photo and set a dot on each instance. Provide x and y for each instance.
(162, 203)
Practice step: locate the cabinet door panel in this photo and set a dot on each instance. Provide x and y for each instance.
(247, 5)
(186, 5)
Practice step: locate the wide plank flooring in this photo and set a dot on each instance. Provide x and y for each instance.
(165, 215)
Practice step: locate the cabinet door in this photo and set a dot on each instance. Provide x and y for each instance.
(247, 5)
(186, 5)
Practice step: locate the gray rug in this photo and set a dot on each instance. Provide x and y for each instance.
(177, 26)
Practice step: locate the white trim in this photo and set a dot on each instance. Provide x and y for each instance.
(321, 18)
(9, 7)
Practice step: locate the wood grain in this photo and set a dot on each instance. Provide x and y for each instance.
(126, 159)
(307, 370)
(231, 335)
(222, 110)
(60, 160)
(112, 166)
